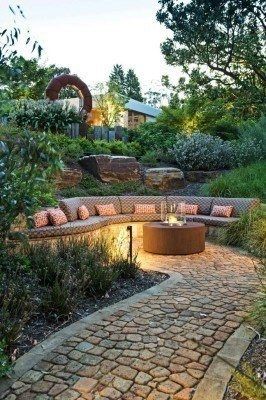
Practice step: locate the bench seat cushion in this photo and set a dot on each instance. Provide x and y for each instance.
(145, 217)
(75, 227)
(214, 221)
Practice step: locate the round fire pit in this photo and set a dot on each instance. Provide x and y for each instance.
(160, 238)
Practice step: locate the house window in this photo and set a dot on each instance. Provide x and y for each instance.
(135, 119)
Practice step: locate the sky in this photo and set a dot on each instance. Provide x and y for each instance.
(90, 36)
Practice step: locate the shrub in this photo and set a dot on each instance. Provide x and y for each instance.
(201, 152)
(44, 115)
(90, 186)
(150, 158)
(248, 232)
(155, 136)
(5, 364)
(248, 384)
(125, 268)
(246, 181)
(247, 150)
(27, 161)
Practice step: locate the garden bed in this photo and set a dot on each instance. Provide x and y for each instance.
(255, 358)
(41, 325)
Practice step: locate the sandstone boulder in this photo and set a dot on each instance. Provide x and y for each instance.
(68, 178)
(164, 178)
(112, 168)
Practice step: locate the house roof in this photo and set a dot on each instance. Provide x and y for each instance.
(142, 108)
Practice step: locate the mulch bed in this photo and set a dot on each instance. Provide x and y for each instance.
(40, 326)
(255, 356)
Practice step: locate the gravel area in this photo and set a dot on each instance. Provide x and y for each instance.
(255, 356)
(40, 326)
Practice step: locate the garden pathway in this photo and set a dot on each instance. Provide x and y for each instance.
(157, 348)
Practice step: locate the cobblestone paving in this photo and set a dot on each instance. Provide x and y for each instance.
(162, 346)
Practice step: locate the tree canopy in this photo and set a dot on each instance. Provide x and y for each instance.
(125, 83)
(27, 79)
(220, 44)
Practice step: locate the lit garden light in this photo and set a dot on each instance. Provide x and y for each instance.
(130, 250)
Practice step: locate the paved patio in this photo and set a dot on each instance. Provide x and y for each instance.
(157, 348)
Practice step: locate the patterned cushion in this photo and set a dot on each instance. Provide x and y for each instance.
(204, 203)
(57, 217)
(144, 209)
(41, 219)
(70, 206)
(106, 209)
(214, 221)
(83, 212)
(146, 217)
(191, 209)
(222, 211)
(240, 205)
(128, 202)
(70, 228)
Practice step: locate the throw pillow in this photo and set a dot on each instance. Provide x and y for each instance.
(83, 212)
(57, 217)
(145, 209)
(222, 211)
(41, 219)
(191, 209)
(105, 209)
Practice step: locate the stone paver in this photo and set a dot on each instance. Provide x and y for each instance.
(158, 348)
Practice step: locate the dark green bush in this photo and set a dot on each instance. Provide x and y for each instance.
(157, 137)
(246, 181)
(150, 158)
(5, 364)
(126, 269)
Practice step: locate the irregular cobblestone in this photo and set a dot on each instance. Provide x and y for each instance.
(160, 348)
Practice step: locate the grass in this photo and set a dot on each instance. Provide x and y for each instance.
(90, 186)
(249, 232)
(246, 181)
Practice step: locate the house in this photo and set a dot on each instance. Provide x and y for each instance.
(135, 113)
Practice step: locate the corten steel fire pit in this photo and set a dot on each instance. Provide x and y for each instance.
(160, 238)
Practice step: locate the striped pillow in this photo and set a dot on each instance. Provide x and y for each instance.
(145, 209)
(57, 217)
(83, 212)
(222, 211)
(41, 219)
(105, 209)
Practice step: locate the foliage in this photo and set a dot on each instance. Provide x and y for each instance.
(26, 162)
(110, 105)
(10, 36)
(258, 312)
(133, 90)
(90, 186)
(27, 79)
(201, 152)
(150, 158)
(125, 269)
(43, 115)
(248, 384)
(246, 181)
(125, 83)
(5, 364)
(220, 48)
(249, 232)
(155, 136)
(116, 81)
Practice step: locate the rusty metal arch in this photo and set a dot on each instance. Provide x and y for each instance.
(61, 81)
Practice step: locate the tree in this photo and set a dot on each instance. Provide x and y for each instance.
(27, 79)
(221, 43)
(110, 105)
(10, 36)
(133, 90)
(117, 80)
(154, 98)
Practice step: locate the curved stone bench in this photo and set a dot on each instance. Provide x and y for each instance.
(124, 206)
